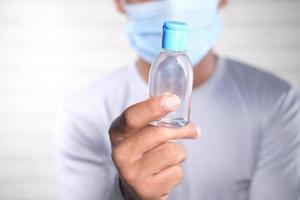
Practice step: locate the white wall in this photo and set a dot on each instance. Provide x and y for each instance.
(50, 48)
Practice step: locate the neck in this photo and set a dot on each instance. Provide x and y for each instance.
(202, 71)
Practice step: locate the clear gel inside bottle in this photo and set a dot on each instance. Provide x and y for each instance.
(172, 72)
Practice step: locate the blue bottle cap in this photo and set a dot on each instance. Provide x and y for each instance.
(174, 36)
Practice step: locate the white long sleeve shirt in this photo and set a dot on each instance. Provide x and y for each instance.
(249, 148)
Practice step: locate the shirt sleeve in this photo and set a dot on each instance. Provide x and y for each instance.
(276, 174)
(85, 167)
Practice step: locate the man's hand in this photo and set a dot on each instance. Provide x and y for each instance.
(148, 163)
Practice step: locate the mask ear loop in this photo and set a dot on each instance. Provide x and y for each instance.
(123, 2)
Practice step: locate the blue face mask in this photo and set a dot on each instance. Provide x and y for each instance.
(146, 21)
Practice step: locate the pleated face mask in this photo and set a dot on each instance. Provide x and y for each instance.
(146, 20)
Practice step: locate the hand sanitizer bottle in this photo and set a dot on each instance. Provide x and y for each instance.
(172, 72)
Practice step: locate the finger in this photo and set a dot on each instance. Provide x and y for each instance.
(167, 179)
(139, 115)
(162, 157)
(152, 136)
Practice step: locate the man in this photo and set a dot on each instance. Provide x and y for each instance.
(250, 121)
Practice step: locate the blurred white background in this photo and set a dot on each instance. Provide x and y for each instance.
(51, 48)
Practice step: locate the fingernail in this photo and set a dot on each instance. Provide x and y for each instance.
(198, 132)
(170, 102)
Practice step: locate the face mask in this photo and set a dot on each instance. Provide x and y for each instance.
(146, 20)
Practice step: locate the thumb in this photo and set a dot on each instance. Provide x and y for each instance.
(141, 114)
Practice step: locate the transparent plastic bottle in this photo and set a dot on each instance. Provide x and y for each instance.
(172, 72)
